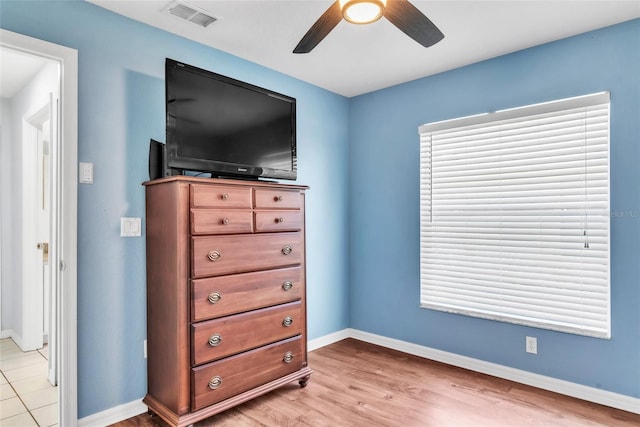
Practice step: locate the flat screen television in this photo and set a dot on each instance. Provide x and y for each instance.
(226, 127)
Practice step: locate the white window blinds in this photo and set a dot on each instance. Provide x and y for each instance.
(514, 212)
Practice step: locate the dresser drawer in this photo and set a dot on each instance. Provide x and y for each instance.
(212, 196)
(278, 221)
(278, 199)
(218, 338)
(223, 295)
(215, 221)
(218, 255)
(225, 378)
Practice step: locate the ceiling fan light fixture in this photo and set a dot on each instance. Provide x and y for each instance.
(362, 11)
(401, 13)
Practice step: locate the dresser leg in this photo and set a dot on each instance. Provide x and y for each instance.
(303, 381)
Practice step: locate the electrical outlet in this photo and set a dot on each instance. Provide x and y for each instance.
(145, 349)
(532, 345)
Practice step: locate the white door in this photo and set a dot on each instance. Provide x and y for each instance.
(40, 287)
(44, 142)
(47, 145)
(52, 302)
(35, 217)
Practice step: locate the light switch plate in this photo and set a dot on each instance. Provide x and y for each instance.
(130, 227)
(85, 173)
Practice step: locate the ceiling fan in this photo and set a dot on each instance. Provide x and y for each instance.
(400, 13)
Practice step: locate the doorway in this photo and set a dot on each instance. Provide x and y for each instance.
(30, 117)
(38, 151)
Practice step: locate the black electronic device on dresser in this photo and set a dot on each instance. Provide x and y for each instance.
(226, 127)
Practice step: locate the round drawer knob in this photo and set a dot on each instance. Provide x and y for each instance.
(213, 256)
(215, 340)
(226, 221)
(279, 220)
(215, 382)
(288, 357)
(277, 199)
(288, 321)
(287, 285)
(225, 196)
(214, 297)
(287, 249)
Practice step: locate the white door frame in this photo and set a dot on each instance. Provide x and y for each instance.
(65, 264)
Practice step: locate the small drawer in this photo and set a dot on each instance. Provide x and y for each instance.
(278, 221)
(223, 295)
(278, 199)
(214, 221)
(218, 338)
(219, 255)
(223, 379)
(213, 196)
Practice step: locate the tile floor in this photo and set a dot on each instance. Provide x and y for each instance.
(26, 397)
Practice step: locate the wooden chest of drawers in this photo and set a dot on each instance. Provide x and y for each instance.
(226, 306)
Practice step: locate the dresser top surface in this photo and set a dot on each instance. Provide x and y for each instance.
(224, 181)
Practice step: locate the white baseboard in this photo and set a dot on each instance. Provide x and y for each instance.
(10, 333)
(328, 339)
(114, 415)
(590, 394)
(602, 397)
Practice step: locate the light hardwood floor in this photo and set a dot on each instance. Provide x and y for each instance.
(360, 384)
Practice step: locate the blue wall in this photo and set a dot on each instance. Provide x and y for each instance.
(384, 208)
(360, 157)
(121, 106)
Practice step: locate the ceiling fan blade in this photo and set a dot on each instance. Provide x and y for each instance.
(412, 22)
(318, 31)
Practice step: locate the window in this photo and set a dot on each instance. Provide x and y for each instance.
(514, 215)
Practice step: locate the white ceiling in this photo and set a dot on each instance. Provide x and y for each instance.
(16, 70)
(355, 59)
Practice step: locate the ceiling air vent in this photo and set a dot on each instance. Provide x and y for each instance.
(191, 13)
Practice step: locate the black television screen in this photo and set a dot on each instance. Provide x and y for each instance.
(227, 127)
